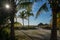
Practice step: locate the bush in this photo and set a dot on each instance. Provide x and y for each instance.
(46, 28)
(4, 34)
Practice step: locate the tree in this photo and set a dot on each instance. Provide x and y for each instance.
(28, 14)
(23, 16)
(55, 9)
(40, 24)
(13, 11)
(12, 14)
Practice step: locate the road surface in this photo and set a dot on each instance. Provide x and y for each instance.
(38, 34)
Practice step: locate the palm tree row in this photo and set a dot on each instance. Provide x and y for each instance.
(27, 6)
(25, 15)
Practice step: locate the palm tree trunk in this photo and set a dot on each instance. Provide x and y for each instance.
(23, 22)
(13, 11)
(12, 28)
(54, 27)
(16, 19)
(28, 22)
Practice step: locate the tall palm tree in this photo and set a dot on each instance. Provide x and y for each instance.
(12, 12)
(28, 14)
(22, 15)
(55, 9)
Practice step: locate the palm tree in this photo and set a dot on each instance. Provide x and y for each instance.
(55, 9)
(26, 5)
(28, 14)
(12, 12)
(22, 15)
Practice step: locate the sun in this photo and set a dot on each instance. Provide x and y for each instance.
(7, 6)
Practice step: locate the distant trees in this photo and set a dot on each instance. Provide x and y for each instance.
(40, 24)
(46, 26)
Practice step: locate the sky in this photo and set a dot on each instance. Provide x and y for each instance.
(44, 17)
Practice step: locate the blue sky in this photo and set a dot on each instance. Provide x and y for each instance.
(44, 17)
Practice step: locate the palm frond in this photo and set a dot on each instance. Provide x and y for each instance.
(28, 13)
(43, 7)
(22, 15)
(36, 0)
(31, 14)
(24, 5)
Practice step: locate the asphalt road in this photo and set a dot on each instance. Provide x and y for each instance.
(38, 34)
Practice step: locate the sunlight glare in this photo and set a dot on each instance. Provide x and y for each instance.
(7, 6)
